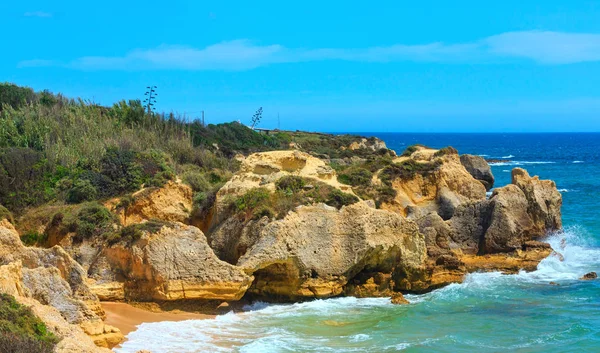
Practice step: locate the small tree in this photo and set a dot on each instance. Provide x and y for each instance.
(256, 117)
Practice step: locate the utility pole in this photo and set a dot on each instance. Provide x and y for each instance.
(203, 124)
(151, 99)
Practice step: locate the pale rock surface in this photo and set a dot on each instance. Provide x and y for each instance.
(265, 168)
(479, 169)
(54, 284)
(441, 191)
(173, 263)
(172, 202)
(314, 251)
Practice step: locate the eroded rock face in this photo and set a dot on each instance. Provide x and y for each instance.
(479, 169)
(314, 251)
(172, 202)
(440, 191)
(172, 264)
(54, 284)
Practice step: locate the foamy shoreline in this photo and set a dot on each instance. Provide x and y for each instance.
(127, 317)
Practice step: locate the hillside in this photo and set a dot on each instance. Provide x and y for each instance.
(63, 150)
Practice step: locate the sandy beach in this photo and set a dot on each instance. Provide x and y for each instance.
(127, 317)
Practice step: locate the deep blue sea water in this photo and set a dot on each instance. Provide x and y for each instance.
(489, 312)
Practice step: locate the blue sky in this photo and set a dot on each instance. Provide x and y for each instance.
(418, 66)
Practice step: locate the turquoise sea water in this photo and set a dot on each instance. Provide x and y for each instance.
(489, 312)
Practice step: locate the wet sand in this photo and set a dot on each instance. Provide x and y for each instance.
(126, 317)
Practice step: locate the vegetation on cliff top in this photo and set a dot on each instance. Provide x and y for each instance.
(291, 192)
(55, 149)
(21, 330)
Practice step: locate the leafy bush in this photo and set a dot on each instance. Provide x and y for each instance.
(160, 179)
(444, 151)
(6, 214)
(20, 330)
(31, 238)
(290, 183)
(121, 170)
(82, 190)
(412, 149)
(90, 220)
(338, 198)
(196, 181)
(135, 232)
(15, 96)
(251, 199)
(22, 174)
(356, 176)
(407, 170)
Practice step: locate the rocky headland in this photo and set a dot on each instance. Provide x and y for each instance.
(287, 226)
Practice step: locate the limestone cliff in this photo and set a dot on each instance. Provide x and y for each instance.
(171, 263)
(55, 286)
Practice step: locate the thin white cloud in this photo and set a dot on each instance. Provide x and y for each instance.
(37, 14)
(539, 46)
(36, 63)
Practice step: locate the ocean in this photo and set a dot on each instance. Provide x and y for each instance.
(489, 312)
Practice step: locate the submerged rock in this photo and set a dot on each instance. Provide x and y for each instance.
(398, 299)
(589, 276)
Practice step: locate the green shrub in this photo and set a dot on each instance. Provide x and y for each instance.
(82, 190)
(444, 151)
(134, 232)
(356, 176)
(22, 174)
(251, 199)
(412, 149)
(199, 198)
(338, 198)
(92, 219)
(121, 172)
(196, 181)
(290, 183)
(264, 212)
(160, 179)
(32, 237)
(21, 331)
(6, 214)
(407, 170)
(15, 96)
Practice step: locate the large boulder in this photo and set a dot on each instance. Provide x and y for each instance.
(543, 201)
(479, 169)
(172, 263)
(316, 250)
(51, 281)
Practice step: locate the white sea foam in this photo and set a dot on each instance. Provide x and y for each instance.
(577, 161)
(509, 156)
(563, 190)
(266, 327)
(518, 163)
